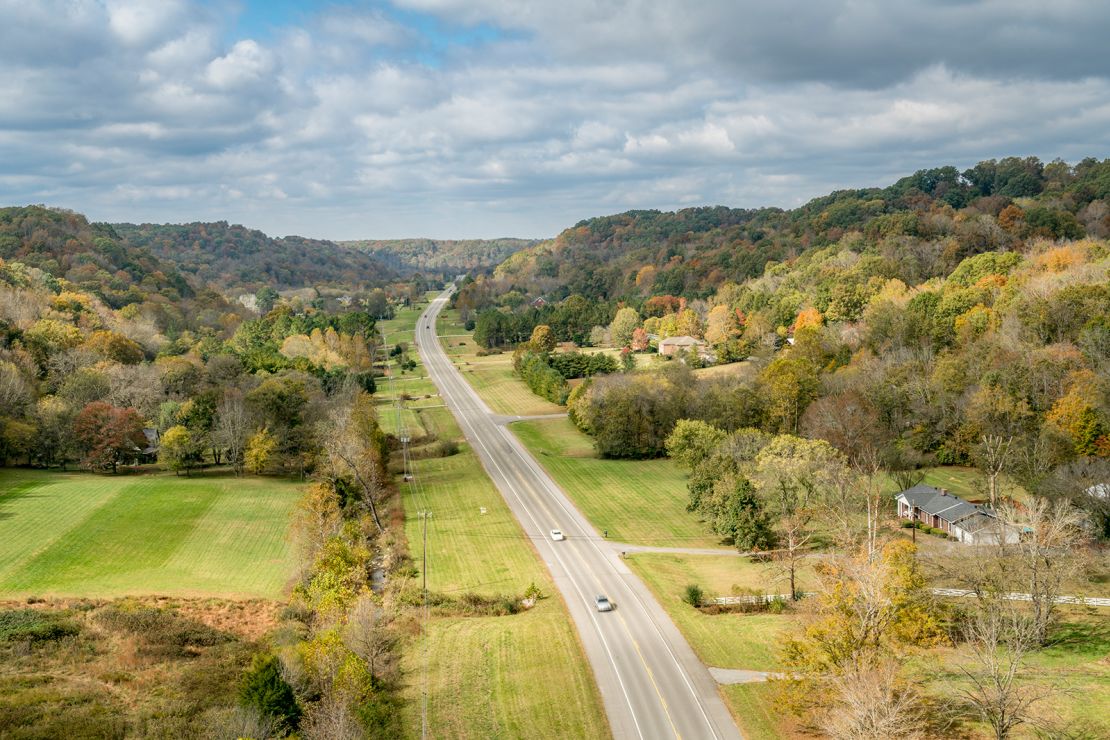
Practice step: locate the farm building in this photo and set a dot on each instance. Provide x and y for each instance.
(966, 522)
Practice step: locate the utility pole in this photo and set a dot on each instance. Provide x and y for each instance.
(424, 516)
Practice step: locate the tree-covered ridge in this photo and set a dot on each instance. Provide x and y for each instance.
(939, 215)
(90, 256)
(231, 257)
(441, 257)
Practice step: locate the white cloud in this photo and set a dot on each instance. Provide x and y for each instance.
(353, 125)
(140, 21)
(245, 64)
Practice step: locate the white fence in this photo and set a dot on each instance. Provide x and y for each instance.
(768, 598)
(1081, 600)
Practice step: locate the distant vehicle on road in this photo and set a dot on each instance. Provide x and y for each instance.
(557, 535)
(603, 604)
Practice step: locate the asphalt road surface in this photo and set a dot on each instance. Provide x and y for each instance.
(652, 684)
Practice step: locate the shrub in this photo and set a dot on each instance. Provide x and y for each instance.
(264, 689)
(447, 448)
(906, 524)
(777, 605)
(693, 595)
(32, 625)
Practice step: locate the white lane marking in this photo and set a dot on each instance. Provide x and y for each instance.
(597, 627)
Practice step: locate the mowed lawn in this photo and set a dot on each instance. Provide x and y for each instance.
(504, 677)
(639, 501)
(76, 534)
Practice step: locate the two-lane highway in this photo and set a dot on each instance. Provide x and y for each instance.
(652, 684)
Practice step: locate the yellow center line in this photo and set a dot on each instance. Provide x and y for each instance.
(651, 676)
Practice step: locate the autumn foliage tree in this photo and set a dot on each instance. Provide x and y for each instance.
(108, 436)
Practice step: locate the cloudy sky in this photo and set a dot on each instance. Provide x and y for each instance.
(480, 118)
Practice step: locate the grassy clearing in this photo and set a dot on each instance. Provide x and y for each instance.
(512, 676)
(754, 707)
(85, 535)
(721, 640)
(502, 677)
(1075, 664)
(638, 501)
(718, 371)
(467, 550)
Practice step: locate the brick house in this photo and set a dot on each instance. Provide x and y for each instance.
(969, 523)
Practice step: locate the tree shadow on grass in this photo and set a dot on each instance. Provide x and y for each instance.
(15, 493)
(1081, 638)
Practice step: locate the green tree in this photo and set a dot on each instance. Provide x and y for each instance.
(624, 323)
(264, 689)
(692, 441)
(793, 476)
(789, 385)
(266, 297)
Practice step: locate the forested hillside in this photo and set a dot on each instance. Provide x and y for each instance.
(922, 226)
(233, 258)
(440, 257)
(921, 320)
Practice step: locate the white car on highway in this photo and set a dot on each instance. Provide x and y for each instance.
(603, 603)
(557, 535)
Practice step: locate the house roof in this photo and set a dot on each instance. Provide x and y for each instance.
(938, 502)
(683, 341)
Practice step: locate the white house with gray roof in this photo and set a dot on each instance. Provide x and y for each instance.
(963, 521)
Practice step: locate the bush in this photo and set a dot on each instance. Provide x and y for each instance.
(447, 448)
(533, 592)
(31, 625)
(265, 690)
(906, 524)
(693, 595)
(777, 605)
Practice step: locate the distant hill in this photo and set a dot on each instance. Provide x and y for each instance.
(949, 214)
(235, 258)
(440, 257)
(92, 256)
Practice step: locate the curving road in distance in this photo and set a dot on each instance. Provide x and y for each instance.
(651, 683)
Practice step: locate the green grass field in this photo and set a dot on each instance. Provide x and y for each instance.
(76, 534)
(490, 676)
(721, 640)
(505, 677)
(468, 550)
(638, 501)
